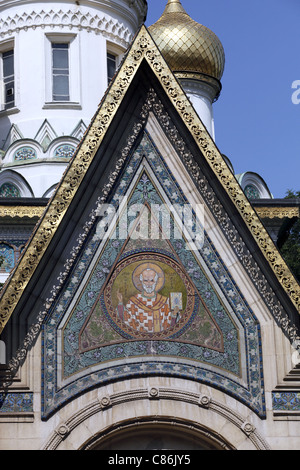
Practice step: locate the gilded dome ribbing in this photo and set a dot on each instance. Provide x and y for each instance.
(186, 45)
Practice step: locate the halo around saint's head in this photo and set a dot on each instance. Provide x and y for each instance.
(148, 266)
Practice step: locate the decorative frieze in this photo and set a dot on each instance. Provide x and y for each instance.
(64, 151)
(18, 402)
(25, 153)
(277, 212)
(286, 401)
(68, 20)
(21, 211)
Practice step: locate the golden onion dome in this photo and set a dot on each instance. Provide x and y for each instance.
(187, 46)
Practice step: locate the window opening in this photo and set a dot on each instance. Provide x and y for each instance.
(60, 71)
(111, 66)
(8, 79)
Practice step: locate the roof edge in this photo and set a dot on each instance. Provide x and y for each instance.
(143, 48)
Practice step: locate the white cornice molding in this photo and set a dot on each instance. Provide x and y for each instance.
(66, 20)
(140, 6)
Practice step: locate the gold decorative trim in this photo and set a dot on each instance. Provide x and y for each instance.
(143, 48)
(278, 212)
(22, 211)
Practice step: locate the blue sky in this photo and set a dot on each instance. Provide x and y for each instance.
(257, 125)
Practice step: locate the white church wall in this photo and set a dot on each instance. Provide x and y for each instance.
(33, 73)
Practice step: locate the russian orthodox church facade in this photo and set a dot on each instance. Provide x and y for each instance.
(145, 304)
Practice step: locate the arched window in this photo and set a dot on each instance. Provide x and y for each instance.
(13, 184)
(9, 190)
(252, 192)
(158, 436)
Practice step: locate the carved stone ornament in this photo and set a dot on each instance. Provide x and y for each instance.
(105, 402)
(248, 428)
(204, 401)
(63, 430)
(154, 393)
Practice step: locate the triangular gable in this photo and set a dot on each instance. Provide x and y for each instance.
(45, 135)
(148, 236)
(79, 130)
(13, 135)
(100, 327)
(143, 49)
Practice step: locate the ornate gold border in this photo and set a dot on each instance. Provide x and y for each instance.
(143, 48)
(22, 211)
(277, 212)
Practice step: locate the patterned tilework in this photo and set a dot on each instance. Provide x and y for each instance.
(251, 192)
(235, 368)
(286, 401)
(64, 151)
(16, 403)
(9, 190)
(8, 257)
(25, 153)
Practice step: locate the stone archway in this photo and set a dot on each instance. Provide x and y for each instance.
(157, 434)
(110, 417)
